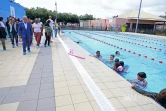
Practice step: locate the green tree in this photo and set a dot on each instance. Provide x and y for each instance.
(43, 13)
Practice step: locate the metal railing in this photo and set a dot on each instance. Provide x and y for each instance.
(158, 31)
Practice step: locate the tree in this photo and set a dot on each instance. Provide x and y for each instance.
(43, 13)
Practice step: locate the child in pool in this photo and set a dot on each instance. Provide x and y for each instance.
(112, 58)
(125, 67)
(78, 41)
(116, 65)
(98, 55)
(116, 60)
(140, 82)
(117, 53)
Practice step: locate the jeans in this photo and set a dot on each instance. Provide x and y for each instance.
(47, 39)
(55, 32)
(26, 42)
(3, 42)
(14, 36)
(37, 36)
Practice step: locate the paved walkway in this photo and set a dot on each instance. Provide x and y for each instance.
(47, 80)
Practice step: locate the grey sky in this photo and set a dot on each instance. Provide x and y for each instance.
(98, 8)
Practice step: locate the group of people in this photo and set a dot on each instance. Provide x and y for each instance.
(9, 28)
(23, 31)
(138, 84)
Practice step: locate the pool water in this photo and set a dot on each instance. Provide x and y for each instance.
(156, 72)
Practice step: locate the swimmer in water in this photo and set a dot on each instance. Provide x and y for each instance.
(116, 60)
(117, 53)
(78, 41)
(98, 55)
(112, 58)
(116, 65)
(121, 63)
(140, 82)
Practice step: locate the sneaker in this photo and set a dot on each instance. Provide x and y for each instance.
(4, 48)
(16, 44)
(49, 45)
(13, 46)
(29, 51)
(24, 53)
(37, 47)
(45, 46)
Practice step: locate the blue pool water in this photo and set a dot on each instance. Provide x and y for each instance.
(156, 72)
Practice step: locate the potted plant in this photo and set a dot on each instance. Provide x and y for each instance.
(124, 27)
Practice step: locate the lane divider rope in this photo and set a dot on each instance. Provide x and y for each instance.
(145, 38)
(131, 39)
(160, 61)
(128, 42)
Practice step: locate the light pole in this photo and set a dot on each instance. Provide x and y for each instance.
(165, 14)
(138, 16)
(56, 10)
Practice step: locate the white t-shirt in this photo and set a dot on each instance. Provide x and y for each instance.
(41, 23)
(37, 27)
(51, 24)
(2, 24)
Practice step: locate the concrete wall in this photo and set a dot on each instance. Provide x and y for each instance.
(5, 9)
(99, 23)
(84, 23)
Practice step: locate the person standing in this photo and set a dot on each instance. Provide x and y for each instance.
(2, 33)
(48, 32)
(8, 26)
(42, 28)
(38, 30)
(59, 29)
(51, 25)
(55, 28)
(13, 32)
(25, 33)
(31, 41)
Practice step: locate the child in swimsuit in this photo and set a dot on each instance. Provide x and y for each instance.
(112, 58)
(117, 53)
(97, 55)
(140, 82)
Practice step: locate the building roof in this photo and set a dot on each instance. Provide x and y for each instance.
(133, 14)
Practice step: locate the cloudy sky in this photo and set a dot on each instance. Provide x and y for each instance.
(99, 8)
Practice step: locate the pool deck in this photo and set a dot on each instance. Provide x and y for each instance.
(47, 79)
(147, 35)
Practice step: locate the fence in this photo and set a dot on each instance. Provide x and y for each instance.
(157, 31)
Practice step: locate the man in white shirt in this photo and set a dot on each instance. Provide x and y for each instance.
(51, 24)
(38, 30)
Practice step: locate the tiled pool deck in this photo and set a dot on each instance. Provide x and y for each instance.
(47, 80)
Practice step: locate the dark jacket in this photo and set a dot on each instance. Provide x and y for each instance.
(2, 32)
(152, 95)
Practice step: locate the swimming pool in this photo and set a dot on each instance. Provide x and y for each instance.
(137, 52)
